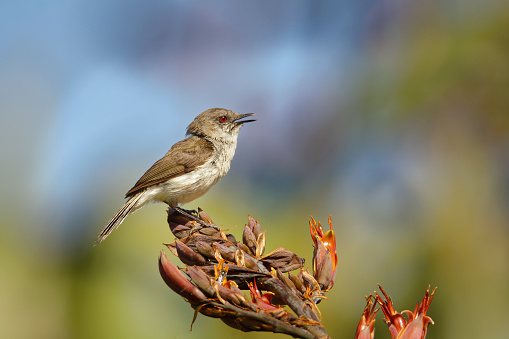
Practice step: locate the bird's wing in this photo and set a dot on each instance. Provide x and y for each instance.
(182, 158)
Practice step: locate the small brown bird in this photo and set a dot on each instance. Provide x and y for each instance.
(190, 168)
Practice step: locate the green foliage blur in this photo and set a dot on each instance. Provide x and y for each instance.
(442, 88)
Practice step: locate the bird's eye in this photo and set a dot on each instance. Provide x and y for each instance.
(222, 119)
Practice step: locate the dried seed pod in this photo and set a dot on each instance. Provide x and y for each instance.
(229, 295)
(187, 255)
(254, 225)
(231, 238)
(283, 259)
(179, 230)
(250, 262)
(195, 237)
(205, 249)
(286, 281)
(210, 231)
(260, 245)
(257, 229)
(239, 258)
(233, 287)
(177, 218)
(244, 248)
(249, 239)
(201, 280)
(309, 281)
(325, 272)
(250, 222)
(204, 216)
(226, 252)
(299, 285)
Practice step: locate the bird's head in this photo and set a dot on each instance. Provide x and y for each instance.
(218, 123)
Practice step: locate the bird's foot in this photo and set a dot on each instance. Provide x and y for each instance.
(194, 215)
(187, 213)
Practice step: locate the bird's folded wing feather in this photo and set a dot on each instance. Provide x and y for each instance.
(182, 158)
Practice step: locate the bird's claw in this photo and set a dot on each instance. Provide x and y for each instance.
(191, 215)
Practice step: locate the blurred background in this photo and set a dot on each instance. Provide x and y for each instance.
(390, 115)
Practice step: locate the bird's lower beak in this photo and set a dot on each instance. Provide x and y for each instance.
(242, 116)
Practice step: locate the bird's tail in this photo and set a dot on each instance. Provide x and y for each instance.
(119, 217)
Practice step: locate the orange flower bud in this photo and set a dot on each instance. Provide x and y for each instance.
(325, 258)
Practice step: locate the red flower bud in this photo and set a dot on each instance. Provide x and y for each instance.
(365, 328)
(417, 324)
(177, 281)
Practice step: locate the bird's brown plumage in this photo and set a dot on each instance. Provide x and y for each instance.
(190, 155)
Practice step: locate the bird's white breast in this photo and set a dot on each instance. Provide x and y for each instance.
(190, 186)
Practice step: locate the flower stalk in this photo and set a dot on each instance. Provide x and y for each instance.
(219, 269)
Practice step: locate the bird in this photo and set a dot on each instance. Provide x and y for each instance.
(189, 169)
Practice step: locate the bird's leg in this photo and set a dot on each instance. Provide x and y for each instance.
(189, 214)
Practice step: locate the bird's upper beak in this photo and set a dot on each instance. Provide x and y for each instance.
(242, 116)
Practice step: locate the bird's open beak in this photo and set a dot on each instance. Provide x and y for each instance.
(242, 116)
